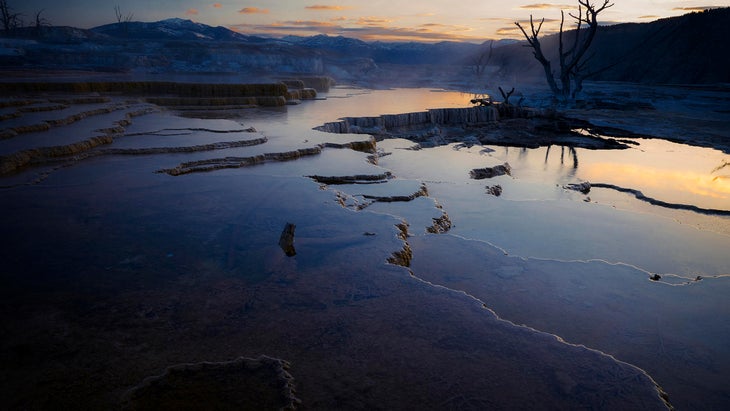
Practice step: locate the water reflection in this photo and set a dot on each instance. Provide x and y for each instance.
(572, 153)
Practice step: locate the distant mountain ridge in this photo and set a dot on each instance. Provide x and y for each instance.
(174, 28)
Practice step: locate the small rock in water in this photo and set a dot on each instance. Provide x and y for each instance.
(584, 187)
(286, 241)
(495, 190)
(489, 172)
(655, 277)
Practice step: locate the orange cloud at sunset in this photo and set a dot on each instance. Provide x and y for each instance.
(541, 6)
(216, 5)
(321, 7)
(253, 10)
(698, 8)
(192, 12)
(365, 21)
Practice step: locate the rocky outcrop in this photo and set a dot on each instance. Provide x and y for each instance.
(394, 122)
(13, 162)
(440, 224)
(147, 88)
(218, 103)
(490, 172)
(367, 146)
(353, 179)
(170, 93)
(403, 256)
(238, 162)
(495, 190)
(422, 192)
(16, 161)
(302, 94)
(286, 240)
(584, 187)
(47, 124)
(222, 145)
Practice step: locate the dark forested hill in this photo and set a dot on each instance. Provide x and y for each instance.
(689, 49)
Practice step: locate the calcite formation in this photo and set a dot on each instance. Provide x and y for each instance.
(490, 172)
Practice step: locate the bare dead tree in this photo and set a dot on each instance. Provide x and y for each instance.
(10, 20)
(573, 58)
(480, 61)
(121, 17)
(123, 20)
(506, 95)
(40, 22)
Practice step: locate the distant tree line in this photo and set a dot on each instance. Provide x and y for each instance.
(12, 21)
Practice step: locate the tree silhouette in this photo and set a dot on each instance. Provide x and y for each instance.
(480, 61)
(10, 20)
(123, 20)
(40, 22)
(573, 58)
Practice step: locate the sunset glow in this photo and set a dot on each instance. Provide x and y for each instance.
(427, 21)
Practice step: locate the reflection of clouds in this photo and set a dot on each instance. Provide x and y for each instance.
(664, 180)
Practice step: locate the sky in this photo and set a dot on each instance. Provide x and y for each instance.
(371, 20)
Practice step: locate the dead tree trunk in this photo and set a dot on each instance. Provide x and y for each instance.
(481, 60)
(572, 59)
(10, 21)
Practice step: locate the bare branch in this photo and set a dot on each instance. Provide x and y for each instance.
(572, 60)
(10, 21)
(507, 95)
(121, 17)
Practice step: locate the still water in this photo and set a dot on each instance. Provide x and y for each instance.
(117, 271)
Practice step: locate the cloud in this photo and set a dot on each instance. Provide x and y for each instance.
(342, 18)
(322, 7)
(508, 31)
(542, 6)
(253, 10)
(444, 27)
(307, 24)
(372, 21)
(649, 16)
(216, 5)
(192, 12)
(696, 8)
(366, 32)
